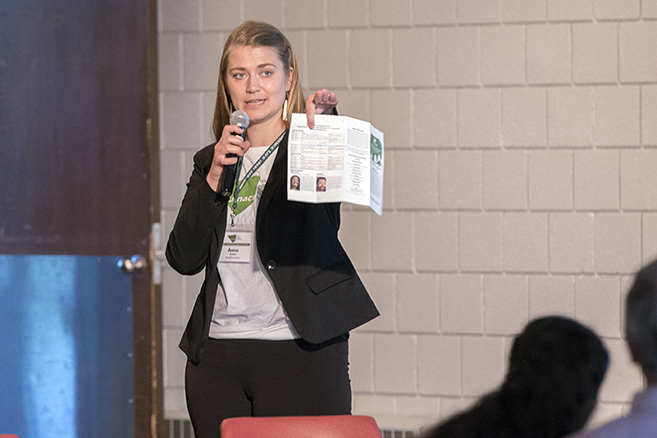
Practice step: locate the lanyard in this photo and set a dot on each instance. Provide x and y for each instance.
(252, 170)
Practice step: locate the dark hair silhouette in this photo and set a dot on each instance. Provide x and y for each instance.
(555, 370)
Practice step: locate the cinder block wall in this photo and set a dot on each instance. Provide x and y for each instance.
(521, 157)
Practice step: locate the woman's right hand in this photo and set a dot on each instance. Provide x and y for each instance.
(227, 144)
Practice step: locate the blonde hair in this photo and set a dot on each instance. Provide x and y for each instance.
(257, 34)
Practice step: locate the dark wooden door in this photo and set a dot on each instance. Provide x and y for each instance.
(78, 150)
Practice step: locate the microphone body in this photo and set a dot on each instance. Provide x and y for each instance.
(241, 119)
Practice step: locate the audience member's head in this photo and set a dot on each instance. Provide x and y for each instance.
(555, 369)
(641, 321)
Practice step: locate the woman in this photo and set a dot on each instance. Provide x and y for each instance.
(294, 182)
(268, 332)
(555, 370)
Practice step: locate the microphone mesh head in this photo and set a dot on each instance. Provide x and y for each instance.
(240, 118)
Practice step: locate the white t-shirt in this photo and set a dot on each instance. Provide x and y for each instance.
(247, 305)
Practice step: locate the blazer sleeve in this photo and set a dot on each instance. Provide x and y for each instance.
(188, 247)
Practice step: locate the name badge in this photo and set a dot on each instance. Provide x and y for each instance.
(236, 247)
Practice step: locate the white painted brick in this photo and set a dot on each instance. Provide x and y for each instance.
(617, 116)
(391, 111)
(347, 13)
(201, 56)
(461, 303)
(395, 359)
(174, 403)
(426, 12)
(603, 414)
(439, 365)
(221, 15)
(638, 59)
(570, 10)
(597, 180)
(413, 58)
(649, 237)
(180, 15)
(391, 13)
(550, 177)
(638, 179)
(617, 243)
(503, 55)
(597, 304)
(506, 304)
(381, 287)
(524, 10)
(571, 242)
(649, 8)
(458, 56)
(623, 378)
(480, 242)
(616, 9)
(356, 237)
(649, 115)
(417, 303)
(375, 405)
(479, 118)
(270, 11)
(525, 242)
(181, 121)
(173, 177)
(298, 14)
(169, 61)
(483, 364)
(411, 168)
(414, 406)
(436, 241)
(460, 180)
(327, 59)
(354, 103)
(175, 360)
(208, 103)
(452, 406)
(505, 180)
(570, 116)
(595, 53)
(551, 295)
(548, 53)
(361, 355)
(524, 117)
(391, 248)
(478, 11)
(172, 299)
(434, 118)
(300, 46)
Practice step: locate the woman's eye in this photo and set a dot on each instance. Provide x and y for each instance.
(238, 75)
(267, 73)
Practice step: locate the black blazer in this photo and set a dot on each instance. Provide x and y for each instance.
(298, 246)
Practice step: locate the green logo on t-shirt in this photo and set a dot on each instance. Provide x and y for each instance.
(246, 196)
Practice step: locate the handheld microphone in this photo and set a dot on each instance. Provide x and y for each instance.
(241, 119)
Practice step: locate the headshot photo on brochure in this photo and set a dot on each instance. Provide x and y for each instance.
(268, 333)
(321, 184)
(295, 182)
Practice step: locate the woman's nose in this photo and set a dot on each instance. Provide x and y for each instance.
(253, 84)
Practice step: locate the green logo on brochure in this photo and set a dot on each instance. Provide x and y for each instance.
(232, 237)
(376, 150)
(246, 196)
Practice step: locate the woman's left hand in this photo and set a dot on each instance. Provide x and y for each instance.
(322, 102)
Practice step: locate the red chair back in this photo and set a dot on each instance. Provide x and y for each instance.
(327, 426)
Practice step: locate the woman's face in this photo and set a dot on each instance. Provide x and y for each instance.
(294, 183)
(257, 83)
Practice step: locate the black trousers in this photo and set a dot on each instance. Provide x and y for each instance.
(242, 378)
